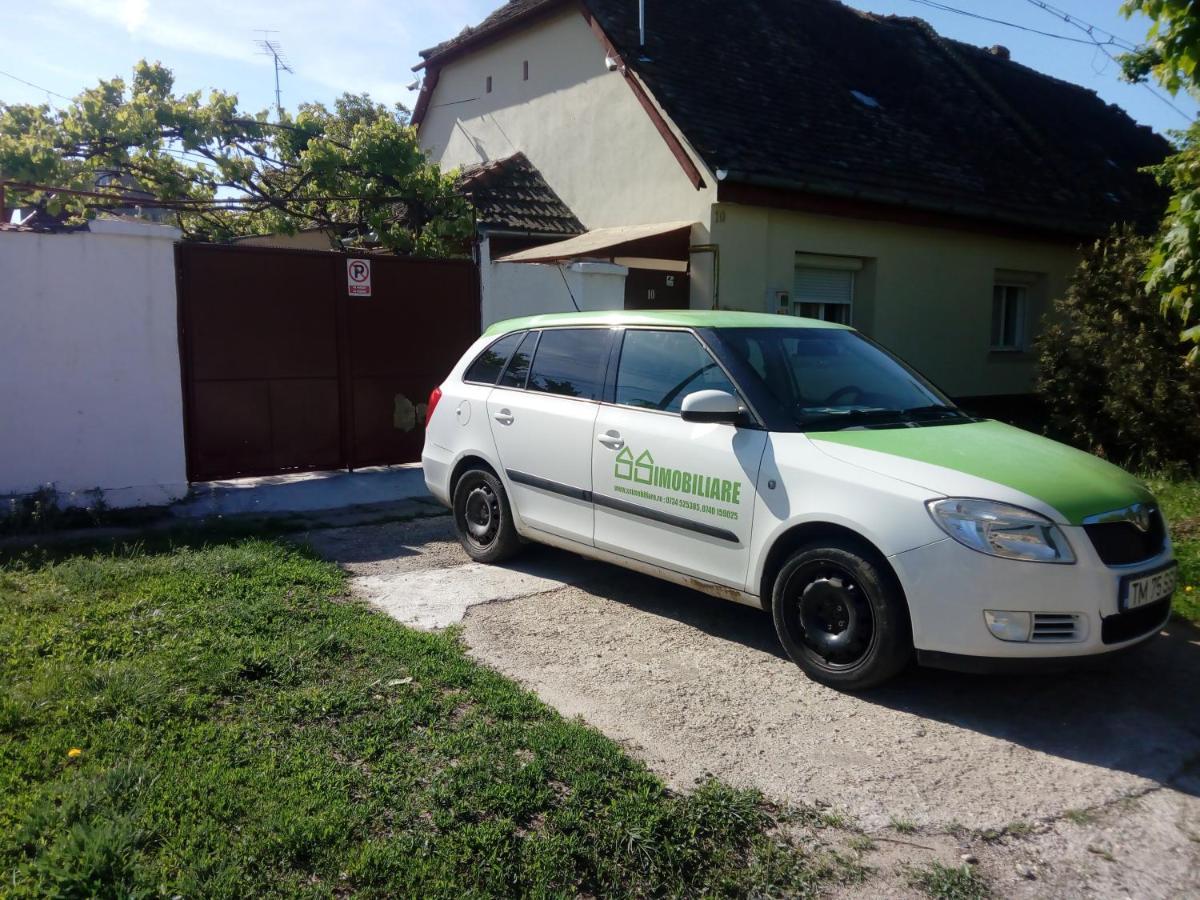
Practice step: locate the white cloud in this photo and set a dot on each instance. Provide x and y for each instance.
(132, 14)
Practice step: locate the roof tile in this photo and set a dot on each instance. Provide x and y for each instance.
(511, 193)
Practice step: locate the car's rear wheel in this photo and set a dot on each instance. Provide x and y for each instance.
(483, 517)
(840, 616)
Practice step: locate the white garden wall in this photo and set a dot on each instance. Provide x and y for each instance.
(90, 391)
(508, 290)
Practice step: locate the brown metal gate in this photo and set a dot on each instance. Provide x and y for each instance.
(284, 371)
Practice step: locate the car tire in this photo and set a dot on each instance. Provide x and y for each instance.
(483, 517)
(841, 616)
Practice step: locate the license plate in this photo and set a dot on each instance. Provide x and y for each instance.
(1142, 590)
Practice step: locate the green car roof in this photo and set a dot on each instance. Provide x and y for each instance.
(677, 318)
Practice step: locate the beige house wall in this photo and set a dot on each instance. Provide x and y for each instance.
(578, 122)
(925, 293)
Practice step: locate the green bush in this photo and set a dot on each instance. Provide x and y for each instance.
(1112, 373)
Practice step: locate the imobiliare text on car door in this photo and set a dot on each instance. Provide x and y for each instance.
(675, 493)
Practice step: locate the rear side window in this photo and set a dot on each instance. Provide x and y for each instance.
(518, 366)
(571, 362)
(489, 364)
(659, 368)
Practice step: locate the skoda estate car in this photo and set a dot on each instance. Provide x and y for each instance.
(797, 467)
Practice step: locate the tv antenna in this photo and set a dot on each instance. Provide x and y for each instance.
(268, 46)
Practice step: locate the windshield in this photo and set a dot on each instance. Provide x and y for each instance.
(828, 379)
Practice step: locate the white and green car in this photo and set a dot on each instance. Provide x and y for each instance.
(795, 466)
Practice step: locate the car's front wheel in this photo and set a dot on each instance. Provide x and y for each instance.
(840, 616)
(483, 517)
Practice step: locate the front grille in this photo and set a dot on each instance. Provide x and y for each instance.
(1050, 628)
(1128, 625)
(1123, 543)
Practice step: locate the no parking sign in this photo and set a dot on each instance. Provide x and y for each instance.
(358, 277)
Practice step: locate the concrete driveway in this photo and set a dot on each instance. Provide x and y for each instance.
(1081, 784)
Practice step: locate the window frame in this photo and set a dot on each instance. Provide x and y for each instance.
(609, 384)
(465, 380)
(1021, 338)
(604, 377)
(604, 380)
(610, 398)
(796, 301)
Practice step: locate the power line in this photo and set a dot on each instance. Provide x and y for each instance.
(1087, 27)
(933, 4)
(36, 87)
(1090, 30)
(1092, 38)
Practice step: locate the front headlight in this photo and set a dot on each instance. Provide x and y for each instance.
(1001, 530)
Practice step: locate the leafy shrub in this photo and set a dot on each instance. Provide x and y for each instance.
(1113, 375)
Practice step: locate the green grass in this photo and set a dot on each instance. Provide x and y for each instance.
(904, 826)
(1180, 499)
(1080, 816)
(949, 883)
(244, 732)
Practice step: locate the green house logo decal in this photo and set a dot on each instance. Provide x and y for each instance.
(624, 466)
(643, 469)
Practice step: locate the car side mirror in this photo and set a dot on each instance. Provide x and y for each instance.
(712, 406)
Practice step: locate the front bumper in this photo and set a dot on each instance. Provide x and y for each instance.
(948, 586)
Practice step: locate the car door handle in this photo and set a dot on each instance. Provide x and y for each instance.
(611, 440)
(504, 417)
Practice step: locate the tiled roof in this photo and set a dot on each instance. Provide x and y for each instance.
(508, 15)
(816, 96)
(510, 193)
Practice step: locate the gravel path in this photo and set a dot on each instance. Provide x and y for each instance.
(1096, 775)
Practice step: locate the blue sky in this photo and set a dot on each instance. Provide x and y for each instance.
(370, 45)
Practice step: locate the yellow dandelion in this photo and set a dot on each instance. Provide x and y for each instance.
(74, 752)
(1188, 589)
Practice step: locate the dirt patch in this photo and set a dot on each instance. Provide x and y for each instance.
(390, 548)
(1058, 786)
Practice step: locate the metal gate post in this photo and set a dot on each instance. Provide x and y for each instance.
(345, 359)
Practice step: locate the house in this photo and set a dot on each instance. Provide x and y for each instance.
(793, 156)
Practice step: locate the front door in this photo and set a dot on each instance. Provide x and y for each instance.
(674, 493)
(542, 415)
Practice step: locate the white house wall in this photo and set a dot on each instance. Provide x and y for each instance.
(509, 290)
(90, 393)
(925, 293)
(578, 123)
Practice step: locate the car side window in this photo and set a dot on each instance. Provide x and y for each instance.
(517, 369)
(490, 363)
(659, 368)
(571, 362)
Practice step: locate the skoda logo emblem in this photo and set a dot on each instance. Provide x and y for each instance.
(1138, 515)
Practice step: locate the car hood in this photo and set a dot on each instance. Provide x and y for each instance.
(1072, 483)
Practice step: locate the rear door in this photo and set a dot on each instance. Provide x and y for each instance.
(674, 493)
(542, 414)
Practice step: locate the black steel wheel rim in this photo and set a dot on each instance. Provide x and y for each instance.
(481, 515)
(829, 615)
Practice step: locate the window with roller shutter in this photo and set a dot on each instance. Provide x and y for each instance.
(820, 293)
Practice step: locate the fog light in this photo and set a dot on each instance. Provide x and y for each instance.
(1008, 626)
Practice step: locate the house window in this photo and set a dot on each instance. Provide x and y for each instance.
(1010, 313)
(823, 293)
(525, 70)
(488, 85)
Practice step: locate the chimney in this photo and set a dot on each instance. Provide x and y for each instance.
(1000, 50)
